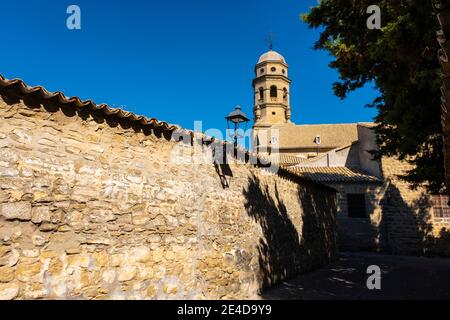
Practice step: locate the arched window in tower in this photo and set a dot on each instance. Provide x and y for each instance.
(285, 94)
(261, 94)
(273, 91)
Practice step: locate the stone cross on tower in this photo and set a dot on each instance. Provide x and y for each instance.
(270, 41)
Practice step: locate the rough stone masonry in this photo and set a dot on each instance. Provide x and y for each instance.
(93, 207)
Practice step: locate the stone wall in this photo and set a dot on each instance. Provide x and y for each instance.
(409, 224)
(401, 220)
(95, 207)
(358, 234)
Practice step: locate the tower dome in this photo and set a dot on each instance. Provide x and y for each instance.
(271, 87)
(271, 56)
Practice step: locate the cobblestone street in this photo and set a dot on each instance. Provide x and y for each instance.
(402, 278)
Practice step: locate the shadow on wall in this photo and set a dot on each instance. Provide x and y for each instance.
(357, 234)
(440, 245)
(224, 172)
(408, 229)
(283, 252)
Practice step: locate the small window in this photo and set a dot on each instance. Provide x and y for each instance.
(274, 113)
(273, 69)
(441, 208)
(273, 92)
(285, 94)
(261, 94)
(318, 140)
(356, 205)
(261, 71)
(283, 71)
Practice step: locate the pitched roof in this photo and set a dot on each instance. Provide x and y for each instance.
(289, 160)
(335, 174)
(303, 136)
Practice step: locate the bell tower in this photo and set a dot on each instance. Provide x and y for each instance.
(271, 91)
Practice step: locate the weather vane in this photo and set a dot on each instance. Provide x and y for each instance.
(269, 40)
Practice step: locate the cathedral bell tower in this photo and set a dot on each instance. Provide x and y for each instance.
(271, 91)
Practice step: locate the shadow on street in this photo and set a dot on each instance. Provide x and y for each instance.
(402, 278)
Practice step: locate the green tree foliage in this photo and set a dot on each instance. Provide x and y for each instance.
(401, 61)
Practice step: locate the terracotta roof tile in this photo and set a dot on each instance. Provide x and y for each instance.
(334, 174)
(46, 95)
(290, 160)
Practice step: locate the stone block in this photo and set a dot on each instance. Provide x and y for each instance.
(16, 210)
(140, 219)
(9, 291)
(26, 272)
(6, 274)
(127, 273)
(139, 254)
(10, 258)
(79, 260)
(48, 227)
(102, 216)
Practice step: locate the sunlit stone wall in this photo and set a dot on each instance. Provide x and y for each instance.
(94, 207)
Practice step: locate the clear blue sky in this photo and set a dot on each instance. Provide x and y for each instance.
(175, 60)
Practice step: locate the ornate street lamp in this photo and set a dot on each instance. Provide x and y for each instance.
(236, 118)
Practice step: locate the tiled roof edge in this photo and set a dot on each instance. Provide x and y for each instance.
(359, 175)
(46, 95)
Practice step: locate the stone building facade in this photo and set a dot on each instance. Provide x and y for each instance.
(376, 209)
(391, 216)
(98, 203)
